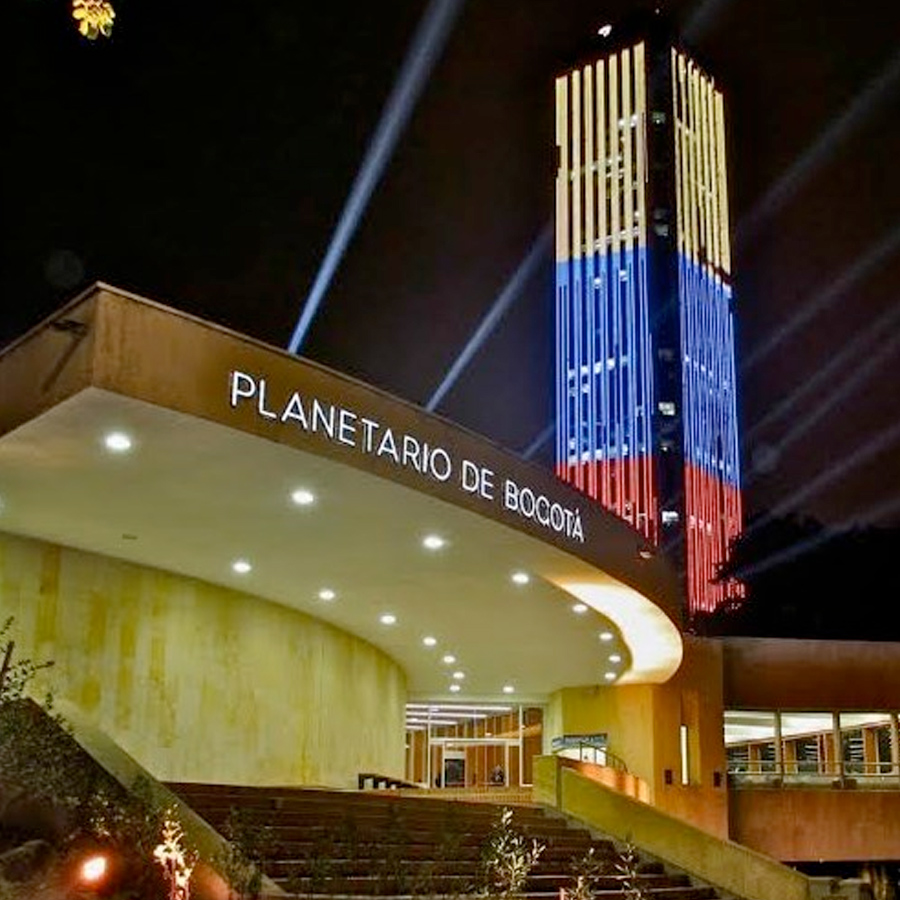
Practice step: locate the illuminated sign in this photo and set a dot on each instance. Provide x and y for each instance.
(371, 437)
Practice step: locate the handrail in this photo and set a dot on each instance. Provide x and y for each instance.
(824, 776)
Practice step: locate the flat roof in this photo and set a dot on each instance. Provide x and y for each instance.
(224, 429)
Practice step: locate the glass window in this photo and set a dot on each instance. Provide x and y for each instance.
(861, 743)
(807, 741)
(750, 744)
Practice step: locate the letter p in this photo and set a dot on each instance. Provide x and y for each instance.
(243, 387)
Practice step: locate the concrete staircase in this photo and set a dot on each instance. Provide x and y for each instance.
(369, 844)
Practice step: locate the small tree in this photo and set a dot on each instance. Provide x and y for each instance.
(627, 866)
(507, 858)
(37, 754)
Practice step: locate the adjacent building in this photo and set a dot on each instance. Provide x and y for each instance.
(645, 376)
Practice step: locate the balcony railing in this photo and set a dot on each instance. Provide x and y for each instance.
(809, 774)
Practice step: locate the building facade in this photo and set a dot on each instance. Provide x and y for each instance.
(242, 592)
(645, 393)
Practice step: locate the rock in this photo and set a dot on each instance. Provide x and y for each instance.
(24, 862)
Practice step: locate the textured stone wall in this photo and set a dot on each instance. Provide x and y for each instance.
(202, 683)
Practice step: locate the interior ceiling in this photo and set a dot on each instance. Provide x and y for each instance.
(192, 496)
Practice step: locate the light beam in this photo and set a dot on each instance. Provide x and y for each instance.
(881, 442)
(511, 291)
(816, 154)
(427, 43)
(861, 267)
(868, 516)
(825, 376)
(840, 392)
(539, 441)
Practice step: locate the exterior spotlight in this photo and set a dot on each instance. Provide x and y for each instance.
(117, 442)
(327, 594)
(429, 641)
(606, 636)
(241, 566)
(93, 869)
(580, 608)
(388, 619)
(433, 542)
(520, 577)
(303, 497)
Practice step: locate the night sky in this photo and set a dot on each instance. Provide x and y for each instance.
(202, 155)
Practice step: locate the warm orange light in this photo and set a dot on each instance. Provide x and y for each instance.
(93, 869)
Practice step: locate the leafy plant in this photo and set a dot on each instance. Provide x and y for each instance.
(175, 859)
(587, 870)
(249, 845)
(38, 757)
(507, 858)
(627, 865)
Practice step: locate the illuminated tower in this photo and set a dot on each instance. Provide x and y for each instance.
(645, 371)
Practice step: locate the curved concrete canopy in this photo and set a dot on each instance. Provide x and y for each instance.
(224, 430)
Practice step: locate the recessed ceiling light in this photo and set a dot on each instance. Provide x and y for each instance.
(327, 594)
(303, 497)
(241, 566)
(606, 636)
(429, 641)
(449, 659)
(508, 689)
(610, 676)
(455, 688)
(433, 542)
(615, 658)
(580, 608)
(117, 442)
(388, 619)
(459, 676)
(520, 577)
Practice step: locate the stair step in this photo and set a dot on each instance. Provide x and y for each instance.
(359, 845)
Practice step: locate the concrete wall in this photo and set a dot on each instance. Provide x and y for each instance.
(200, 683)
(763, 673)
(643, 724)
(800, 825)
(737, 870)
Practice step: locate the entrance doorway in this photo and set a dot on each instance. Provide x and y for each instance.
(473, 746)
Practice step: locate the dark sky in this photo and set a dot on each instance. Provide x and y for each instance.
(201, 158)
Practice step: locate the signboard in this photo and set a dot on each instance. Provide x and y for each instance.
(365, 434)
(575, 741)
